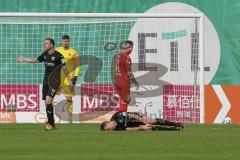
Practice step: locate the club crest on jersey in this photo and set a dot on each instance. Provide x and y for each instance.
(53, 58)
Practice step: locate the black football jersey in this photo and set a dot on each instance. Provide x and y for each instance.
(53, 64)
(120, 120)
(124, 122)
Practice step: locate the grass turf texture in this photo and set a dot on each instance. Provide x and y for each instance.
(85, 141)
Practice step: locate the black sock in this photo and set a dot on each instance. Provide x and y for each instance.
(168, 123)
(50, 115)
(159, 121)
(165, 122)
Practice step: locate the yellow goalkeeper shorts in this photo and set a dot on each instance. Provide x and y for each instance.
(64, 89)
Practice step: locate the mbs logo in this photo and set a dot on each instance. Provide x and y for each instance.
(19, 98)
(98, 97)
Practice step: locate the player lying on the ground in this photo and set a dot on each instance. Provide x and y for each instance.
(137, 122)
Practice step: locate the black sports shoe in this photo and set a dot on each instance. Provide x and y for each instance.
(179, 126)
(49, 127)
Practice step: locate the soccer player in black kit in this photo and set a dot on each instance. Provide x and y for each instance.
(136, 122)
(54, 62)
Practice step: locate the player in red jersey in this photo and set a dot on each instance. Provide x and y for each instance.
(124, 75)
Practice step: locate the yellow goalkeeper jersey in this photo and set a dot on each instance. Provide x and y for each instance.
(69, 56)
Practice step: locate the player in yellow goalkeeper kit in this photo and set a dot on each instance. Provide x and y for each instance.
(73, 65)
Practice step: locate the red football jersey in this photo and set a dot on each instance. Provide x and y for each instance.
(123, 61)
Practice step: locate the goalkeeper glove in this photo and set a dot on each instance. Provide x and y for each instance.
(74, 80)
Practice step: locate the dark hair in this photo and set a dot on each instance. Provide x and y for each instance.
(103, 125)
(66, 37)
(51, 41)
(129, 42)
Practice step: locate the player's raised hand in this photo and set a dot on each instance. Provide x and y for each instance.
(20, 58)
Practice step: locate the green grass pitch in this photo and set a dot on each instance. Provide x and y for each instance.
(86, 142)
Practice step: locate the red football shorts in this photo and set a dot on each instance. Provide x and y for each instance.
(123, 90)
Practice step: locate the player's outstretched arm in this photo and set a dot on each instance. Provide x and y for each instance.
(27, 60)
